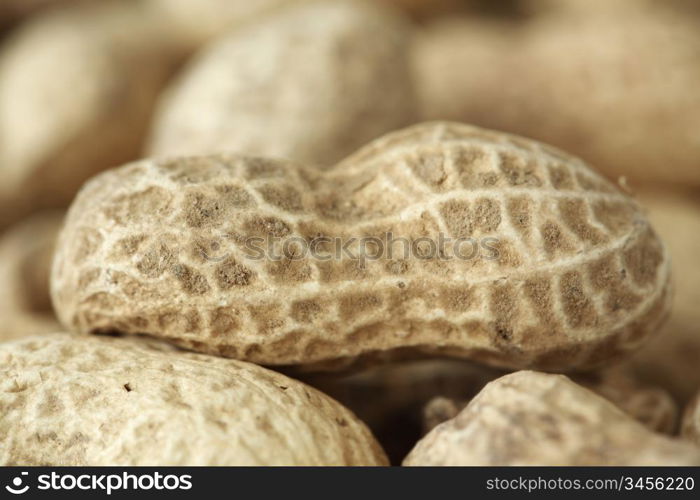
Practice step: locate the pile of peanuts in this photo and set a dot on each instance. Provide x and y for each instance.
(202, 204)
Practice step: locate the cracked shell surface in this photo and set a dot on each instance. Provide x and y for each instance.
(574, 274)
(75, 400)
(531, 418)
(310, 83)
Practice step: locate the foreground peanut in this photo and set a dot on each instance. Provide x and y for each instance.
(26, 252)
(572, 273)
(310, 83)
(72, 400)
(651, 406)
(612, 83)
(531, 418)
(77, 87)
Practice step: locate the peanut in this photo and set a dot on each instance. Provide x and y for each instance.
(77, 87)
(200, 21)
(71, 400)
(574, 274)
(26, 251)
(310, 83)
(651, 406)
(531, 418)
(610, 84)
(440, 409)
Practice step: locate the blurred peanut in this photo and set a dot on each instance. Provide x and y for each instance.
(616, 86)
(309, 84)
(26, 252)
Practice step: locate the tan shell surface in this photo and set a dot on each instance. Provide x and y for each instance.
(74, 400)
(77, 87)
(531, 418)
(614, 85)
(652, 406)
(574, 273)
(26, 253)
(310, 83)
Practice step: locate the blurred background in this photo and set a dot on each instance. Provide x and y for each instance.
(89, 85)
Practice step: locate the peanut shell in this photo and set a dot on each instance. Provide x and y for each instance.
(611, 82)
(73, 400)
(531, 418)
(77, 87)
(652, 406)
(310, 83)
(573, 273)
